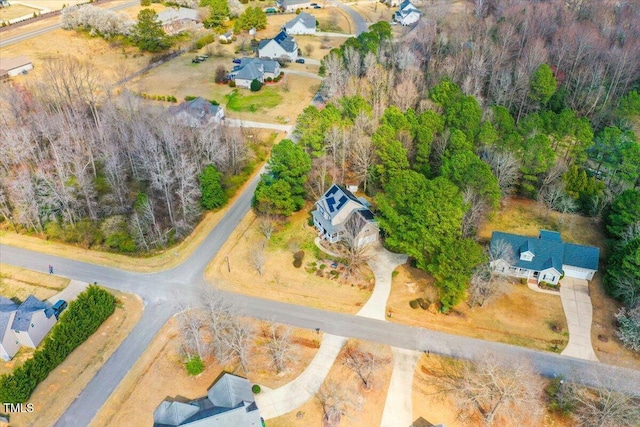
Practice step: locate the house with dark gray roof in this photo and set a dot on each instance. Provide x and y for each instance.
(33, 321)
(254, 68)
(282, 46)
(340, 215)
(303, 23)
(545, 258)
(197, 112)
(228, 403)
(9, 344)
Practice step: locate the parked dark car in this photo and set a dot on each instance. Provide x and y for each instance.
(317, 7)
(236, 61)
(300, 60)
(59, 307)
(196, 60)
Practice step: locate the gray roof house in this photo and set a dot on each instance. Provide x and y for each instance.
(407, 13)
(228, 403)
(9, 344)
(197, 112)
(175, 21)
(12, 67)
(339, 214)
(254, 68)
(282, 46)
(544, 258)
(292, 5)
(303, 23)
(33, 321)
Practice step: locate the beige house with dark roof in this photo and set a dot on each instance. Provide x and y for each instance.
(15, 66)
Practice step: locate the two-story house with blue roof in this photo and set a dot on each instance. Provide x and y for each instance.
(23, 325)
(282, 46)
(545, 258)
(339, 214)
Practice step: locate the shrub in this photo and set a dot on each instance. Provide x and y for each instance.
(145, 2)
(323, 266)
(255, 389)
(269, 79)
(523, 281)
(413, 304)
(204, 40)
(77, 323)
(559, 396)
(256, 85)
(232, 83)
(190, 98)
(297, 259)
(194, 365)
(422, 303)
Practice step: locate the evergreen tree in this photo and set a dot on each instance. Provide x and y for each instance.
(213, 195)
(148, 34)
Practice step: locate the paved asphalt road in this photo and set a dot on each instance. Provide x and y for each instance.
(361, 24)
(4, 42)
(160, 291)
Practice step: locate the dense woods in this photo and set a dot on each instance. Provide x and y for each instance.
(438, 125)
(84, 165)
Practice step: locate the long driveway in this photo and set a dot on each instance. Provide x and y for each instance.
(576, 303)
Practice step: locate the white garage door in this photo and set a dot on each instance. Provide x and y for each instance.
(578, 274)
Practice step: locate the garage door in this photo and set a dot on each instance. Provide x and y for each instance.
(578, 274)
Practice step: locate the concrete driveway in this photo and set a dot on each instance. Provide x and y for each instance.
(398, 408)
(69, 293)
(578, 310)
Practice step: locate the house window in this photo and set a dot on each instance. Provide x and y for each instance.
(33, 326)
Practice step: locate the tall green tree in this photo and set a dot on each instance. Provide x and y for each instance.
(452, 267)
(252, 17)
(148, 34)
(467, 171)
(543, 85)
(273, 197)
(213, 195)
(219, 12)
(418, 214)
(622, 280)
(290, 163)
(624, 211)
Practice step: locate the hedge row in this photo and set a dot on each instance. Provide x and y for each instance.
(77, 323)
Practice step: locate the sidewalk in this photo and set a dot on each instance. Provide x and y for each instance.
(398, 408)
(285, 399)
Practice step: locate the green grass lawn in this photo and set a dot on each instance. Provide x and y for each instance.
(267, 97)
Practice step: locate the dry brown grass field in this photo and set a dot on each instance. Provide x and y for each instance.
(54, 395)
(160, 374)
(430, 408)
(20, 283)
(16, 11)
(369, 404)
(280, 280)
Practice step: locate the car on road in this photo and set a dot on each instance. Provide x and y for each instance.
(317, 7)
(300, 60)
(59, 307)
(236, 61)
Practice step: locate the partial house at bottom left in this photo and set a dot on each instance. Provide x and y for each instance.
(23, 325)
(228, 403)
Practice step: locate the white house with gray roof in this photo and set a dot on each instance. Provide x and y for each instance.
(407, 13)
(293, 5)
(339, 214)
(23, 325)
(9, 344)
(251, 69)
(282, 46)
(303, 23)
(197, 112)
(545, 258)
(228, 403)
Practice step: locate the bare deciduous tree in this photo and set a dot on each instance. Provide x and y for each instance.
(279, 346)
(504, 166)
(266, 226)
(364, 361)
(484, 284)
(190, 323)
(604, 406)
(258, 257)
(357, 251)
(335, 401)
(491, 392)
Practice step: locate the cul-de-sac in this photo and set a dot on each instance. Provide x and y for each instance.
(342, 213)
